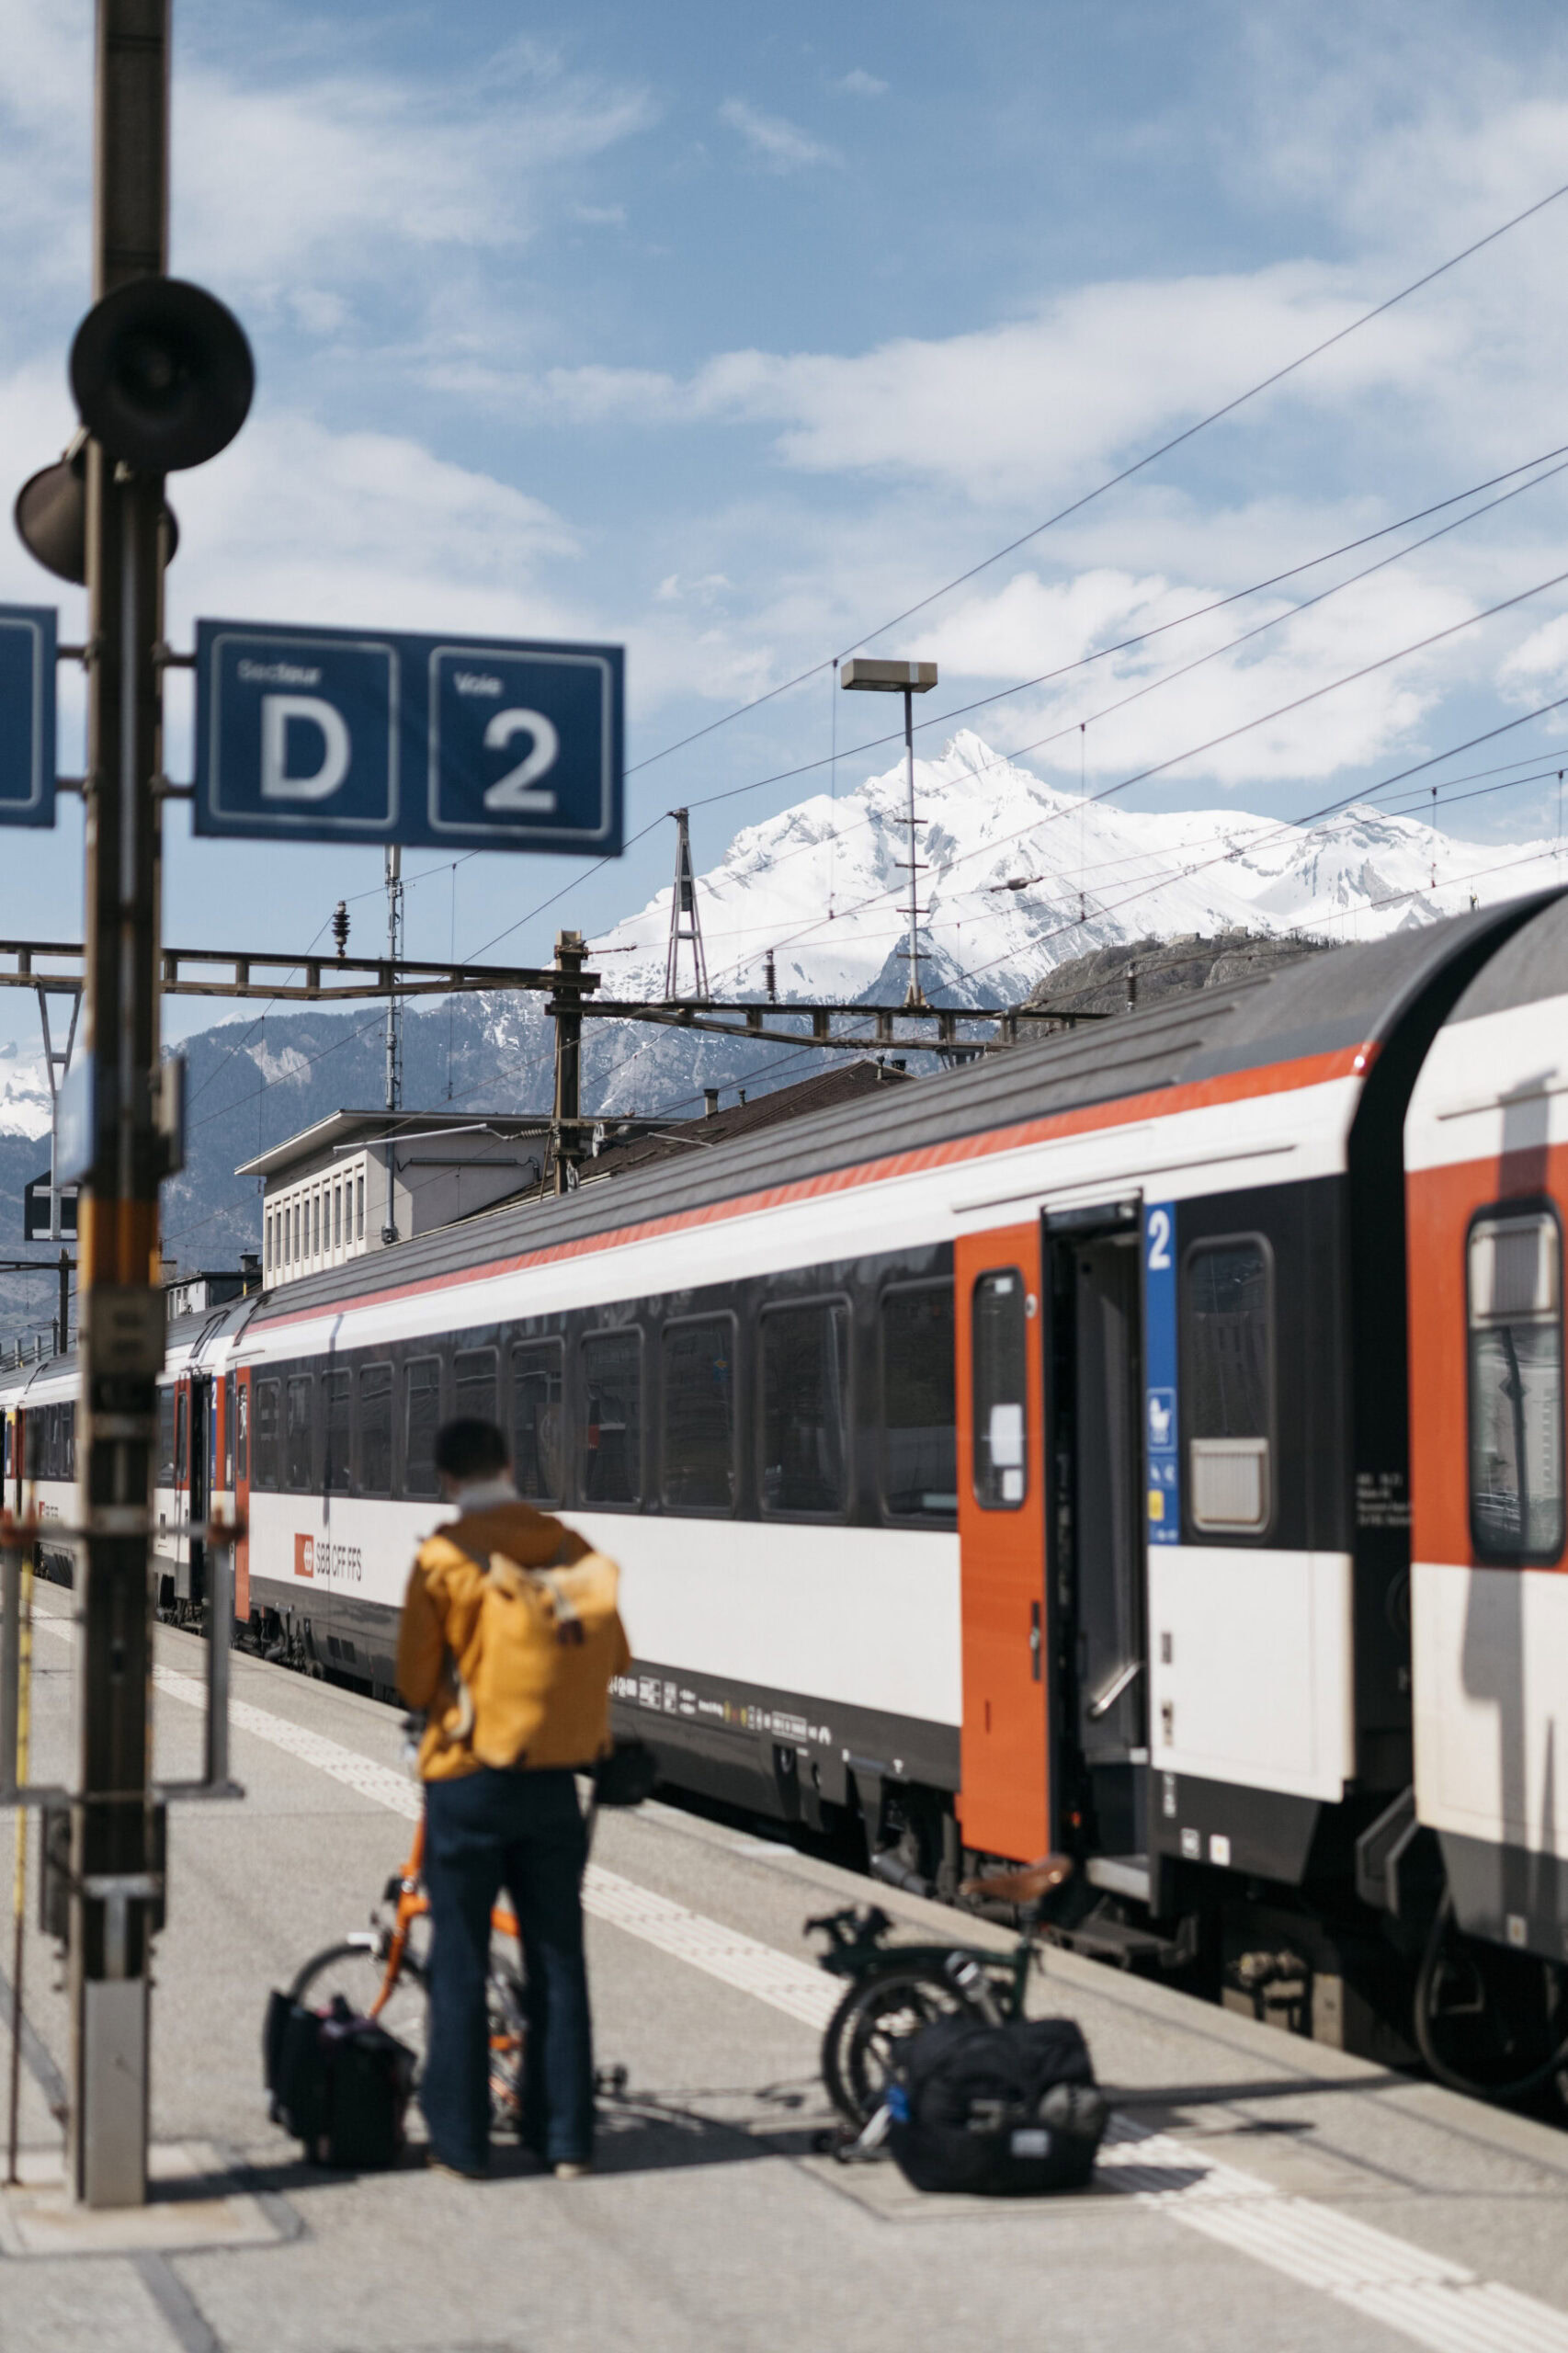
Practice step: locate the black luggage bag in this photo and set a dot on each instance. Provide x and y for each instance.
(999, 2110)
(340, 2083)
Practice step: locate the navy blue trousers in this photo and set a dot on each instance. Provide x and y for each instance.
(523, 1832)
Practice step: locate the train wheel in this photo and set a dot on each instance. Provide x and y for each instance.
(878, 2011)
(1490, 2023)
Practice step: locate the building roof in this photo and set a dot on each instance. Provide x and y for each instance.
(358, 1127)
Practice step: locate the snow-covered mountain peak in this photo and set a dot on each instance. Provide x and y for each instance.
(24, 1094)
(1019, 876)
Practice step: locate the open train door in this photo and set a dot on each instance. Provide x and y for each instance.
(1095, 1406)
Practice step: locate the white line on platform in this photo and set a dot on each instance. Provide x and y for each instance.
(1428, 2299)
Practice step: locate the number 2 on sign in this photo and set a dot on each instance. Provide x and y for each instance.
(513, 792)
(1159, 1242)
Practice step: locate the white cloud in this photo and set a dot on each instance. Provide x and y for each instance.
(331, 178)
(1540, 663)
(858, 84)
(781, 145)
(1043, 400)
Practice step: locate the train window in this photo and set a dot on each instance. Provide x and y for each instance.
(182, 1425)
(296, 1432)
(228, 1430)
(68, 1421)
(242, 1434)
(339, 1387)
(264, 1473)
(805, 1381)
(1514, 1300)
(421, 1415)
(375, 1429)
(1228, 1384)
(474, 1384)
(998, 1325)
(612, 1418)
(538, 1455)
(698, 1434)
(920, 1476)
(165, 1439)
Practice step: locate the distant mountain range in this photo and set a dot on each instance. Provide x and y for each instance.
(1017, 879)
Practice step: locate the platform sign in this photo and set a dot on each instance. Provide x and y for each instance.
(27, 714)
(1161, 1455)
(346, 735)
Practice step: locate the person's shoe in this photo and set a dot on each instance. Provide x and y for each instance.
(572, 2168)
(433, 2164)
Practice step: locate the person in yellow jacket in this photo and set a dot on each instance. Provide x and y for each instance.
(501, 1802)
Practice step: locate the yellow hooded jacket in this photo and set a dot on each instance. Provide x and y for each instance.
(472, 1720)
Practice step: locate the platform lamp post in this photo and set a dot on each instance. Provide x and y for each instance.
(868, 674)
(163, 379)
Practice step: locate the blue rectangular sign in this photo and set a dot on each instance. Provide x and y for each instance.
(27, 714)
(322, 734)
(1161, 1433)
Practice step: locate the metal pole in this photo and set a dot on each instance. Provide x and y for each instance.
(394, 1023)
(566, 1006)
(122, 1322)
(914, 995)
(22, 1610)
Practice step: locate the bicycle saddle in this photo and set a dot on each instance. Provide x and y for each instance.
(1024, 1886)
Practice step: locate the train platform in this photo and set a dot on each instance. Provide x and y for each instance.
(1256, 2190)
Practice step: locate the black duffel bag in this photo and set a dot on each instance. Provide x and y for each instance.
(339, 2083)
(1004, 2112)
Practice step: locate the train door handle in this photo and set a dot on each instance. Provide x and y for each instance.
(1036, 1667)
(1105, 1700)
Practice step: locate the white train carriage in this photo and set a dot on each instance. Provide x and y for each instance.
(199, 1460)
(1020, 1461)
(38, 1405)
(1487, 1152)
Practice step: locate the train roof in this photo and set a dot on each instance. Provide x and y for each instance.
(1317, 1011)
(189, 1336)
(1528, 968)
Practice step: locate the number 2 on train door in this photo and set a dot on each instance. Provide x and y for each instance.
(1160, 1436)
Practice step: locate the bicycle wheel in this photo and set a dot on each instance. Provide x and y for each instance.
(359, 1975)
(878, 2011)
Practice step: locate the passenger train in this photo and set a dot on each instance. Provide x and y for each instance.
(1146, 1445)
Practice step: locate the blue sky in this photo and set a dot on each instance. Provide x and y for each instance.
(729, 332)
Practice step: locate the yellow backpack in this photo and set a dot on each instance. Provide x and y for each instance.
(550, 1641)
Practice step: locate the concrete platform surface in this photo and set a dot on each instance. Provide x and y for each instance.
(1255, 2191)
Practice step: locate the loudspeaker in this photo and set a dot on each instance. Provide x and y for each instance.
(52, 517)
(162, 373)
(51, 514)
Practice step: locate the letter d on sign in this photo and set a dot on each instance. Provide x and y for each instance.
(310, 710)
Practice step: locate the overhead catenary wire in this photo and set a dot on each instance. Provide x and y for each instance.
(1125, 473)
(1541, 469)
(1231, 735)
